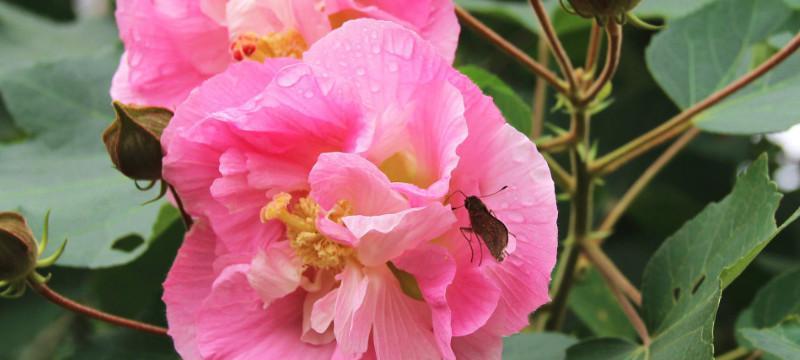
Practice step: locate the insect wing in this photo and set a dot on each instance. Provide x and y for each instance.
(492, 231)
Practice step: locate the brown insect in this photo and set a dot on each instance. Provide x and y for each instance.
(486, 226)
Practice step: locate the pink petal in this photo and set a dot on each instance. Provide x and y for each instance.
(402, 328)
(434, 270)
(481, 345)
(171, 47)
(322, 333)
(234, 324)
(384, 237)
(434, 20)
(275, 272)
(473, 299)
(340, 176)
(499, 157)
(355, 311)
(187, 284)
(268, 16)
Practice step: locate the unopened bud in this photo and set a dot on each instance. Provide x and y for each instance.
(133, 140)
(18, 249)
(613, 9)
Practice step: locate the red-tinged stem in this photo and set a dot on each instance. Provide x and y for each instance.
(71, 305)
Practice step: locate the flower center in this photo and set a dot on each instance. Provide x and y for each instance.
(287, 43)
(313, 248)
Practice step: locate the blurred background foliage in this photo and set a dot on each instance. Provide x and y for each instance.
(49, 50)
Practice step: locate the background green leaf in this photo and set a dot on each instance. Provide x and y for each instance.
(595, 305)
(684, 279)
(544, 346)
(63, 107)
(699, 54)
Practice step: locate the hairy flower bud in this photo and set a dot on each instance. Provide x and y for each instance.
(133, 140)
(18, 249)
(603, 8)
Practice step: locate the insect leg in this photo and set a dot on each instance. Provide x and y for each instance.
(469, 241)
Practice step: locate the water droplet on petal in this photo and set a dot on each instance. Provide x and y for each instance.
(375, 88)
(291, 76)
(513, 216)
(376, 49)
(392, 67)
(308, 94)
(360, 71)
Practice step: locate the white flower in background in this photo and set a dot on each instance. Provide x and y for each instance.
(788, 175)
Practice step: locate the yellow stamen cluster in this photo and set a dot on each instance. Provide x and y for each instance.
(287, 43)
(313, 248)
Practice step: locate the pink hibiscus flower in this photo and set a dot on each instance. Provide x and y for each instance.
(173, 46)
(325, 226)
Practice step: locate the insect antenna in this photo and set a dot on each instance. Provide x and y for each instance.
(451, 195)
(494, 193)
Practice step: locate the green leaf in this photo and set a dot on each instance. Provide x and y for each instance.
(606, 349)
(778, 300)
(515, 110)
(704, 52)
(26, 39)
(670, 8)
(595, 305)
(63, 166)
(782, 340)
(684, 279)
(546, 346)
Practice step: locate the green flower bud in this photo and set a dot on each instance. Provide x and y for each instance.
(133, 140)
(18, 249)
(603, 8)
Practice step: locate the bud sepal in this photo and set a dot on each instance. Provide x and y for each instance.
(20, 254)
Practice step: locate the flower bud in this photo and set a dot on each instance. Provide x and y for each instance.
(133, 140)
(603, 8)
(18, 249)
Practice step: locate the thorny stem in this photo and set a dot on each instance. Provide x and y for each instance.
(71, 305)
(594, 47)
(567, 70)
(634, 318)
(641, 183)
(542, 71)
(611, 273)
(681, 122)
(540, 92)
(614, 32)
(580, 218)
(558, 143)
(187, 219)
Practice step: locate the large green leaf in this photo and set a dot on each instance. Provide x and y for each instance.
(683, 281)
(702, 53)
(595, 305)
(670, 8)
(770, 324)
(782, 340)
(514, 109)
(63, 107)
(26, 39)
(545, 346)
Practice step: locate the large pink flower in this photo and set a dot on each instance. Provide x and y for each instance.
(325, 226)
(174, 45)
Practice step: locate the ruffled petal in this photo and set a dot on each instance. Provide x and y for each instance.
(384, 237)
(434, 269)
(275, 272)
(233, 323)
(481, 345)
(473, 298)
(402, 328)
(350, 177)
(354, 313)
(171, 47)
(434, 20)
(501, 156)
(187, 285)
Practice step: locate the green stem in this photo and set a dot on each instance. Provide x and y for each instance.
(734, 354)
(580, 219)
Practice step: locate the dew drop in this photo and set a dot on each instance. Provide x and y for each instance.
(514, 217)
(290, 76)
(375, 88)
(308, 94)
(392, 67)
(376, 49)
(360, 71)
